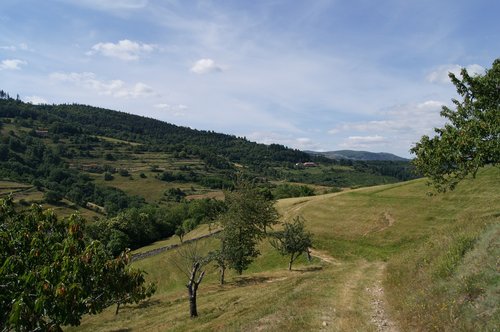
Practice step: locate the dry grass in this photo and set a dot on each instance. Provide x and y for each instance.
(353, 227)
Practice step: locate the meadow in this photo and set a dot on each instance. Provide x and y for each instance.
(388, 258)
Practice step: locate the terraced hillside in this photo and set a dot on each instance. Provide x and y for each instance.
(387, 258)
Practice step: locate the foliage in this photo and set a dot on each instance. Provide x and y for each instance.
(50, 276)
(52, 197)
(471, 138)
(136, 227)
(288, 190)
(174, 194)
(248, 217)
(293, 240)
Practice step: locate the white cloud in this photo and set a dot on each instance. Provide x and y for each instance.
(115, 88)
(125, 49)
(375, 125)
(363, 142)
(440, 74)
(204, 66)
(109, 5)
(301, 143)
(22, 46)
(405, 118)
(400, 126)
(175, 110)
(35, 100)
(12, 64)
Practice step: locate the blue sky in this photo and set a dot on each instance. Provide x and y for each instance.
(309, 74)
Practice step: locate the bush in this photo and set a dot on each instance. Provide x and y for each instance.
(52, 197)
(287, 190)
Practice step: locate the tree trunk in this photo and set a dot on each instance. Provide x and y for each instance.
(117, 308)
(193, 311)
(192, 287)
(222, 274)
(292, 259)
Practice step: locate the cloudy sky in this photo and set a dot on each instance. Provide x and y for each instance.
(309, 74)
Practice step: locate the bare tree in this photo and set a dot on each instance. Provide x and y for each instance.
(190, 261)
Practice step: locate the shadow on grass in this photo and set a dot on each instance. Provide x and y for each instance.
(140, 305)
(244, 281)
(309, 269)
(147, 304)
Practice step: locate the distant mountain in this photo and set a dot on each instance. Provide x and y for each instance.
(358, 155)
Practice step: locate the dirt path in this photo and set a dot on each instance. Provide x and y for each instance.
(291, 207)
(379, 314)
(359, 303)
(387, 221)
(323, 256)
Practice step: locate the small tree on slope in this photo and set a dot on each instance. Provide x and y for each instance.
(292, 241)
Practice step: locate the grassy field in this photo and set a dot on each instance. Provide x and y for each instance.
(392, 258)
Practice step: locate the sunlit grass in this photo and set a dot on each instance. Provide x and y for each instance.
(441, 274)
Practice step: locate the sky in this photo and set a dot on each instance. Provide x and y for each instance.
(309, 74)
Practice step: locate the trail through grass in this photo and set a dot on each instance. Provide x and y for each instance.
(387, 258)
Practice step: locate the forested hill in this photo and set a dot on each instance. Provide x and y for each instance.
(115, 160)
(82, 119)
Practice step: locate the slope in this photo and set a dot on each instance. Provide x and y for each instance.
(392, 257)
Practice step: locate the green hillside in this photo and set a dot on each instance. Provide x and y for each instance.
(117, 160)
(108, 164)
(387, 258)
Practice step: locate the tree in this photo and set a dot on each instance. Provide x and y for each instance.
(220, 258)
(246, 221)
(130, 286)
(293, 240)
(50, 276)
(190, 262)
(52, 197)
(471, 138)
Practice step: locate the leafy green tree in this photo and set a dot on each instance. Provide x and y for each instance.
(292, 241)
(108, 176)
(249, 215)
(52, 197)
(50, 276)
(130, 287)
(471, 138)
(220, 258)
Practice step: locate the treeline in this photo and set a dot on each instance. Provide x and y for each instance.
(137, 227)
(215, 149)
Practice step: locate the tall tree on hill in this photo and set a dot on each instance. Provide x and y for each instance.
(249, 216)
(471, 138)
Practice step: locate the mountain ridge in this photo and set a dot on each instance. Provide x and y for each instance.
(358, 155)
